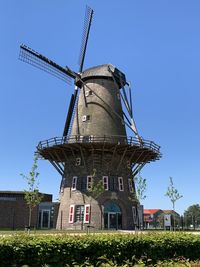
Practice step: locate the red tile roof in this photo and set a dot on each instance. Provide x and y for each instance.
(151, 211)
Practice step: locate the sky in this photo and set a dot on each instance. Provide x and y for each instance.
(155, 43)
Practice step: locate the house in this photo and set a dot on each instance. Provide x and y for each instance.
(175, 218)
(14, 212)
(154, 218)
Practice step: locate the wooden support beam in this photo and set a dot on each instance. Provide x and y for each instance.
(122, 158)
(56, 167)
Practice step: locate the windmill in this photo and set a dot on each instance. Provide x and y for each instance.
(94, 155)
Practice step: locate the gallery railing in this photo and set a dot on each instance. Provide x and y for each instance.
(114, 139)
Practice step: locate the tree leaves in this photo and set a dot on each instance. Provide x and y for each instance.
(192, 215)
(141, 185)
(32, 195)
(173, 193)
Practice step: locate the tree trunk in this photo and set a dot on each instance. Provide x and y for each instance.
(29, 220)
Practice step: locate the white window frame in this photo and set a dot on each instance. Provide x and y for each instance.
(89, 183)
(81, 214)
(78, 162)
(121, 183)
(87, 213)
(105, 183)
(130, 185)
(88, 93)
(71, 213)
(86, 118)
(74, 183)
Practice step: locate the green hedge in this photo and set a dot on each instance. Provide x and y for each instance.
(60, 250)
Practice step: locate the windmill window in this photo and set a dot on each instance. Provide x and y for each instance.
(88, 93)
(79, 213)
(120, 183)
(113, 183)
(86, 118)
(130, 184)
(105, 183)
(78, 162)
(118, 96)
(74, 183)
(89, 182)
(83, 183)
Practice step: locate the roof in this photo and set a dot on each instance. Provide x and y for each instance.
(170, 212)
(151, 211)
(103, 71)
(11, 192)
(19, 192)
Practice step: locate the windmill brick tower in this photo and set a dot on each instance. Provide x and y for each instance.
(95, 157)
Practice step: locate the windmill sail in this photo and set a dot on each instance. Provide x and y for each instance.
(86, 30)
(73, 101)
(35, 59)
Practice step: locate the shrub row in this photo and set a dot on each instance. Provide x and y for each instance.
(62, 250)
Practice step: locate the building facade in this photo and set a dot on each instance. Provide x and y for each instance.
(14, 212)
(161, 219)
(97, 155)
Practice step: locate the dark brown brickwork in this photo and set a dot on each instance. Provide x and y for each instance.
(97, 146)
(104, 120)
(14, 211)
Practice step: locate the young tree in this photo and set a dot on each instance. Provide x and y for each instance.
(139, 195)
(173, 195)
(96, 191)
(32, 195)
(140, 186)
(97, 187)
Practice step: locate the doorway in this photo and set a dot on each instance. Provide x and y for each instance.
(44, 219)
(112, 216)
(112, 220)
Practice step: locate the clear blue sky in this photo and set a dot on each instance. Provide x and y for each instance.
(155, 43)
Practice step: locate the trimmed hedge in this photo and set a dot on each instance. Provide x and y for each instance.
(62, 250)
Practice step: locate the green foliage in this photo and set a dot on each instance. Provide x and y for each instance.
(172, 193)
(97, 187)
(32, 195)
(192, 216)
(99, 250)
(141, 186)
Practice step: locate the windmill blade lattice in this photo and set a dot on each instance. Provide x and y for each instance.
(73, 101)
(86, 30)
(35, 59)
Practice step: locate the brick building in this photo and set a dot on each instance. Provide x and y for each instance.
(154, 218)
(14, 211)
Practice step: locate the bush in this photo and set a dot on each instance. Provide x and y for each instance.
(69, 250)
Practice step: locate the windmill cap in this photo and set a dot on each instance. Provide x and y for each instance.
(106, 71)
